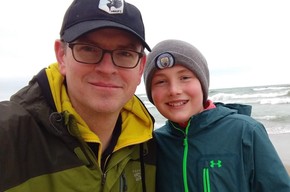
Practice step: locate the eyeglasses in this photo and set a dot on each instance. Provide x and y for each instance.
(91, 54)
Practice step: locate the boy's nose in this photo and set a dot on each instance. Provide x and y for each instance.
(174, 89)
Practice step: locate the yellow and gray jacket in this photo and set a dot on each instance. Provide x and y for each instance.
(44, 144)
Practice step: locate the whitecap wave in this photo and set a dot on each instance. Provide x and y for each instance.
(270, 88)
(263, 98)
(275, 101)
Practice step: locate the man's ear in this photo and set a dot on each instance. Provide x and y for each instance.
(142, 63)
(142, 67)
(59, 49)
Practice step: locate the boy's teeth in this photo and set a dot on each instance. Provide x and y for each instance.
(176, 104)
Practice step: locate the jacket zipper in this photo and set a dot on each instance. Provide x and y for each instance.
(206, 179)
(104, 178)
(185, 154)
(123, 183)
(84, 152)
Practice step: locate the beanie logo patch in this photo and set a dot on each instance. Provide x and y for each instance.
(164, 60)
(112, 6)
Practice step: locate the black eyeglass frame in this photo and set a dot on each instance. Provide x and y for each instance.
(71, 46)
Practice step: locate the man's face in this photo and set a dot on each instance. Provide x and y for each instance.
(102, 87)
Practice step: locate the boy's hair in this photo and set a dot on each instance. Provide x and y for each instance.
(169, 52)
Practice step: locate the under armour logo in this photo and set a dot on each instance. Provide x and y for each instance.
(218, 163)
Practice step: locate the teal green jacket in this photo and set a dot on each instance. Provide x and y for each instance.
(219, 151)
(42, 150)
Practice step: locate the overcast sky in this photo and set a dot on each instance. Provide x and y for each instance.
(245, 42)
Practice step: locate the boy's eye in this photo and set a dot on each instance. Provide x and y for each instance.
(184, 77)
(158, 82)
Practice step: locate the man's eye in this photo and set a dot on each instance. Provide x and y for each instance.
(89, 49)
(124, 53)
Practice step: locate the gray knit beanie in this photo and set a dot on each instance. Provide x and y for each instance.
(169, 52)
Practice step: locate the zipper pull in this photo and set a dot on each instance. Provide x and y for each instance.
(185, 141)
(123, 183)
(104, 179)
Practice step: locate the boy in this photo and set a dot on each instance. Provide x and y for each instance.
(205, 146)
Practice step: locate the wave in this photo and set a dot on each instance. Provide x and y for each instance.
(148, 104)
(275, 124)
(267, 117)
(277, 130)
(263, 98)
(272, 118)
(269, 88)
(274, 101)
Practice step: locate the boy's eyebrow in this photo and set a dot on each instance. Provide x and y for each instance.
(158, 73)
(158, 76)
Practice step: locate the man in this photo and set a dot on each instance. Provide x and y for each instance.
(78, 126)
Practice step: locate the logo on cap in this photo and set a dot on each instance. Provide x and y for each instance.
(112, 6)
(164, 60)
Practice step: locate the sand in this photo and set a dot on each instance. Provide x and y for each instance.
(282, 145)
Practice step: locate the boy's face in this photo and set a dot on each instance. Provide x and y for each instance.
(177, 93)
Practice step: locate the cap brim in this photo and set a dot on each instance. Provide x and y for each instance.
(79, 29)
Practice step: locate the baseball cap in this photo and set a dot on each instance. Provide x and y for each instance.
(83, 16)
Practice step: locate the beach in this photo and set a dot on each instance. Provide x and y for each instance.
(282, 142)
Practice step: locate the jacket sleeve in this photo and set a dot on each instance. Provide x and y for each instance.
(269, 172)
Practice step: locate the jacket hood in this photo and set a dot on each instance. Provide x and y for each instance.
(206, 118)
(239, 108)
(137, 123)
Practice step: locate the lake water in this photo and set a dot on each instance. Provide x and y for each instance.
(270, 104)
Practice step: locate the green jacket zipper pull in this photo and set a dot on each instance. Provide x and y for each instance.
(205, 178)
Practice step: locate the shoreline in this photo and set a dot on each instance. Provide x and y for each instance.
(281, 142)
